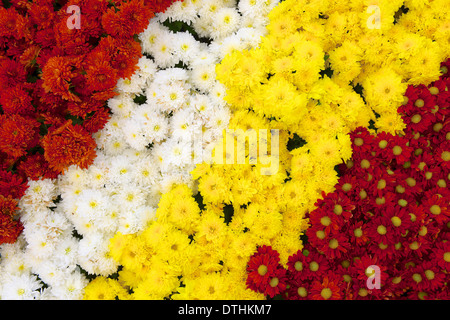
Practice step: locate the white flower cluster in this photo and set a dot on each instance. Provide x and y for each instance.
(145, 148)
(47, 248)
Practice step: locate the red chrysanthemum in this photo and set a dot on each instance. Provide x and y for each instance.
(12, 73)
(326, 289)
(265, 274)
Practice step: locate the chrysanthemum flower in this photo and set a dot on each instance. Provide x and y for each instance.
(327, 289)
(19, 134)
(58, 74)
(131, 18)
(68, 145)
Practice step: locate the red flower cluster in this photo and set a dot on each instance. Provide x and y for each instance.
(390, 212)
(56, 79)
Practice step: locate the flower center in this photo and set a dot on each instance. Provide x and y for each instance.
(396, 221)
(337, 209)
(397, 150)
(419, 103)
(262, 270)
(382, 144)
(416, 118)
(326, 293)
(435, 209)
(274, 282)
(429, 274)
(302, 292)
(314, 266)
(333, 244)
(447, 257)
(325, 221)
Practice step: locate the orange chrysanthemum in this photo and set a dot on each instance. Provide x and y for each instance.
(16, 101)
(58, 74)
(69, 145)
(18, 134)
(131, 18)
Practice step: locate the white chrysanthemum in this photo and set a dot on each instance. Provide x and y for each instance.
(157, 128)
(66, 252)
(203, 77)
(39, 245)
(94, 254)
(163, 50)
(256, 7)
(96, 175)
(250, 36)
(145, 172)
(15, 264)
(132, 85)
(92, 203)
(149, 37)
(258, 23)
(130, 222)
(206, 56)
(121, 105)
(40, 194)
(202, 26)
(50, 273)
(201, 103)
(120, 169)
(218, 118)
(178, 152)
(185, 11)
(210, 7)
(225, 22)
(71, 287)
(227, 45)
(147, 68)
(217, 94)
(182, 124)
(21, 287)
(171, 75)
(74, 175)
(129, 197)
(173, 96)
(186, 48)
(134, 135)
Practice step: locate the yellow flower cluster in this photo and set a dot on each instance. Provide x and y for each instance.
(378, 45)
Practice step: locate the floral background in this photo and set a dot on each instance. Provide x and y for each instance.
(114, 114)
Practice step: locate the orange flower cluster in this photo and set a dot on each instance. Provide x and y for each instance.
(56, 79)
